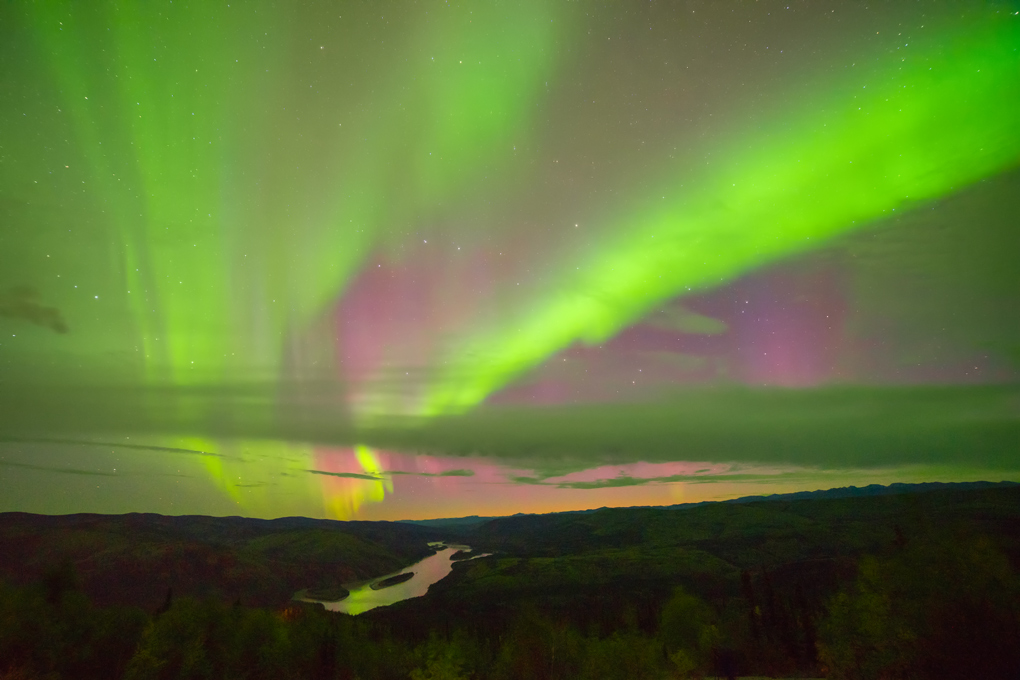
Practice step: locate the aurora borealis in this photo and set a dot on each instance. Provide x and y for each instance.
(417, 260)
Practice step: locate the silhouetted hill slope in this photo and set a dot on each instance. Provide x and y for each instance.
(870, 490)
(135, 558)
(754, 533)
(472, 521)
(601, 569)
(461, 523)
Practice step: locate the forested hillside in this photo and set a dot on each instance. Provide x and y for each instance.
(134, 559)
(900, 586)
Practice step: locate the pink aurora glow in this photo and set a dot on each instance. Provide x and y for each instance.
(414, 486)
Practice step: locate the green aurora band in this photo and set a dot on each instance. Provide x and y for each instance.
(839, 158)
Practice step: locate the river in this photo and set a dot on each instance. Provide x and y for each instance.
(426, 572)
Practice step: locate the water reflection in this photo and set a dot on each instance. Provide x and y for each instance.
(426, 572)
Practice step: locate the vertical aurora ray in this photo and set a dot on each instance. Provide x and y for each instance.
(262, 477)
(152, 130)
(244, 174)
(186, 134)
(840, 158)
(343, 496)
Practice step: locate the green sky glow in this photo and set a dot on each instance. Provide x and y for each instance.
(247, 232)
(915, 128)
(234, 221)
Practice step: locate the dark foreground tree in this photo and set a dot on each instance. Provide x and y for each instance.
(935, 608)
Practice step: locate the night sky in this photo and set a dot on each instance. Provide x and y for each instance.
(399, 260)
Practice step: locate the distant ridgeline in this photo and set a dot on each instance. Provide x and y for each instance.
(870, 490)
(840, 492)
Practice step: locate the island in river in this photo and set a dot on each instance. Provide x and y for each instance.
(393, 580)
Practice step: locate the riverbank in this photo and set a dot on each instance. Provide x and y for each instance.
(412, 581)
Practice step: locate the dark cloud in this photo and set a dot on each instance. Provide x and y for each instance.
(829, 427)
(457, 473)
(22, 302)
(358, 475)
(627, 480)
(676, 318)
(745, 478)
(112, 445)
(346, 475)
(808, 475)
(448, 473)
(622, 480)
(834, 427)
(527, 480)
(66, 471)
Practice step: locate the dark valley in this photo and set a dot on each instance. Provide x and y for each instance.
(919, 583)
